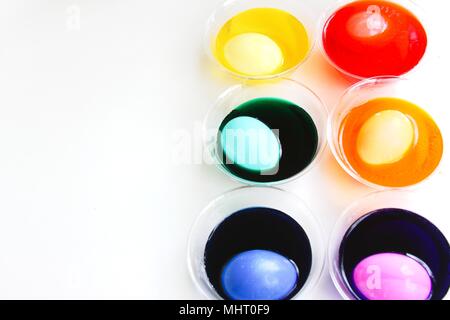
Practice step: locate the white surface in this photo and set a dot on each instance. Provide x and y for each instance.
(92, 204)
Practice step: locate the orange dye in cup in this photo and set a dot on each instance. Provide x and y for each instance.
(391, 142)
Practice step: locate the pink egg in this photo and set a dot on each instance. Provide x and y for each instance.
(392, 276)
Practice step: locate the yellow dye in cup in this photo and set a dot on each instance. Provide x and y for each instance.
(261, 42)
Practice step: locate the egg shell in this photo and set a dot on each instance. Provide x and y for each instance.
(250, 144)
(259, 275)
(392, 276)
(253, 54)
(385, 137)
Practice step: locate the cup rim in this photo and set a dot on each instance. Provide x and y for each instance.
(409, 5)
(335, 150)
(234, 90)
(302, 213)
(311, 31)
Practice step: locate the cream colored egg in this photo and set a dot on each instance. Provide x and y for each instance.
(385, 137)
(253, 54)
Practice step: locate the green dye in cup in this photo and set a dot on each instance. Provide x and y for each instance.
(267, 140)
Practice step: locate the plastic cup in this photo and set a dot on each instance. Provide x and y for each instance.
(284, 89)
(399, 199)
(228, 9)
(410, 6)
(359, 94)
(250, 197)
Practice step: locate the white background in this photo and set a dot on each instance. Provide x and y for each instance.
(92, 203)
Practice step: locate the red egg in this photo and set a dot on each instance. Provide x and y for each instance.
(372, 38)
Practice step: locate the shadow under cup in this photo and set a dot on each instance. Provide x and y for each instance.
(249, 220)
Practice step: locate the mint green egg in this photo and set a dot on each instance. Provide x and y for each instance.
(250, 144)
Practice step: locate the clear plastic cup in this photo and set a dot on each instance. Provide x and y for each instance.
(399, 199)
(285, 89)
(230, 8)
(411, 6)
(247, 197)
(364, 91)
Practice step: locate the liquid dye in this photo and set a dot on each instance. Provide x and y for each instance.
(239, 244)
(373, 38)
(261, 42)
(393, 254)
(253, 154)
(391, 142)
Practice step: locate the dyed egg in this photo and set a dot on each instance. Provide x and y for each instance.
(250, 144)
(373, 37)
(259, 275)
(253, 54)
(385, 137)
(392, 276)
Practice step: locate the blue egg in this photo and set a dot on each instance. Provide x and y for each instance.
(259, 275)
(250, 144)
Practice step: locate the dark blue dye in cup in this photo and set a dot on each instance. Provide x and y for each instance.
(397, 231)
(256, 244)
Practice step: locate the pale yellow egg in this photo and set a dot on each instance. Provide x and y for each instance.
(253, 54)
(385, 137)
